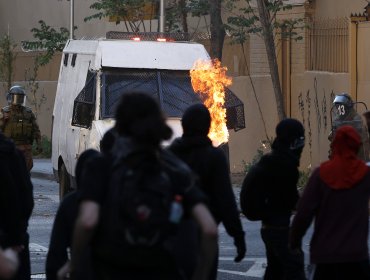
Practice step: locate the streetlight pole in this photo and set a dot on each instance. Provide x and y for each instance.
(161, 16)
(71, 20)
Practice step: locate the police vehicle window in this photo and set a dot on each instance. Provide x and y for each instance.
(65, 61)
(172, 89)
(84, 105)
(177, 92)
(73, 62)
(115, 83)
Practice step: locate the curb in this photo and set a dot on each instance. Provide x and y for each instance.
(42, 175)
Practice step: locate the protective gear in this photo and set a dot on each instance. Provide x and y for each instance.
(343, 113)
(17, 96)
(19, 124)
(343, 98)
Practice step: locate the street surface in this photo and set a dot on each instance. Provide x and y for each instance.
(46, 204)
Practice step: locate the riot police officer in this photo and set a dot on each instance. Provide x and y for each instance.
(344, 113)
(19, 123)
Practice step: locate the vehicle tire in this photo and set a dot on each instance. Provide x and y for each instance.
(64, 182)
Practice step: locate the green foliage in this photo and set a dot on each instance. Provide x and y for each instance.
(131, 12)
(304, 175)
(245, 20)
(265, 147)
(7, 58)
(198, 8)
(48, 40)
(46, 148)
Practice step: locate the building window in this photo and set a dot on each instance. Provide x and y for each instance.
(327, 45)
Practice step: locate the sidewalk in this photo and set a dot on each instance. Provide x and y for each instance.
(42, 169)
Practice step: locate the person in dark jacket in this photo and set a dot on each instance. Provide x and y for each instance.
(337, 197)
(141, 128)
(16, 204)
(62, 232)
(278, 173)
(210, 165)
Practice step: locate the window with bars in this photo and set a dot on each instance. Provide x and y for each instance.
(327, 45)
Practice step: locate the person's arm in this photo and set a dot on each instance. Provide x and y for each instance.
(86, 223)
(59, 242)
(307, 206)
(225, 202)
(208, 244)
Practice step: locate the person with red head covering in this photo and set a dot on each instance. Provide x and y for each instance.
(337, 197)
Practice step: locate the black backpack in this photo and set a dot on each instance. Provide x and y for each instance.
(135, 228)
(253, 195)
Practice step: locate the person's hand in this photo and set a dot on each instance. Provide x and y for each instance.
(241, 248)
(64, 271)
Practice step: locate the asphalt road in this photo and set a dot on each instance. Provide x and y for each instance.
(46, 204)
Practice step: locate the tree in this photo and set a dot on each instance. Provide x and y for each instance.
(217, 29)
(7, 58)
(131, 12)
(49, 41)
(268, 26)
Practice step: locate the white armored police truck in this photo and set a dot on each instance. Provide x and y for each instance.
(95, 73)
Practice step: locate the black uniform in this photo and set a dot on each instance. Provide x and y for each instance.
(210, 164)
(63, 228)
(278, 173)
(16, 203)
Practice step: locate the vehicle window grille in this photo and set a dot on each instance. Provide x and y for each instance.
(177, 92)
(117, 84)
(148, 36)
(84, 105)
(234, 111)
(172, 89)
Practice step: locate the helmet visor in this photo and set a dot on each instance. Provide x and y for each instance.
(19, 99)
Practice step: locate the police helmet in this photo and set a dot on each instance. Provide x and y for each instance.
(17, 95)
(344, 99)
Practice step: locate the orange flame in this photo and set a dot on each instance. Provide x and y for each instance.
(209, 79)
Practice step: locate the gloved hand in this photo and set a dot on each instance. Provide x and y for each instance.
(241, 248)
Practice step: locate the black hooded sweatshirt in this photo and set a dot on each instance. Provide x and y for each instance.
(210, 164)
(16, 195)
(278, 174)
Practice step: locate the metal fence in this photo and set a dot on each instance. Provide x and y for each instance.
(327, 45)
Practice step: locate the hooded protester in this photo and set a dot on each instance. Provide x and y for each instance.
(210, 165)
(276, 176)
(337, 197)
(119, 209)
(62, 232)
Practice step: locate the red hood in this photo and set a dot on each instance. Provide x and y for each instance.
(344, 170)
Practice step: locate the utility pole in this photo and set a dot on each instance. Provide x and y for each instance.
(161, 16)
(71, 20)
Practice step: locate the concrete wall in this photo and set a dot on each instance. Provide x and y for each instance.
(363, 63)
(337, 8)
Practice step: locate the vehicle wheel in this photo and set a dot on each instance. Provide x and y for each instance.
(64, 182)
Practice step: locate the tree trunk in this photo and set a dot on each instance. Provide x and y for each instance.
(217, 29)
(184, 16)
(271, 55)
